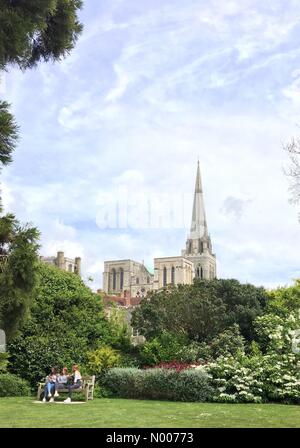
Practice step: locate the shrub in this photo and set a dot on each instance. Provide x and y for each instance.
(3, 362)
(100, 360)
(159, 384)
(193, 385)
(66, 321)
(257, 378)
(13, 386)
(229, 342)
(177, 365)
(194, 352)
(33, 356)
(270, 372)
(166, 347)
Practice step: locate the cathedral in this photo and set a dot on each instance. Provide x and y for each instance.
(130, 279)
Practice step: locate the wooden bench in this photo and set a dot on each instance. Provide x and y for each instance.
(87, 388)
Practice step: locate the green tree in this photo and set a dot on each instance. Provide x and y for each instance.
(165, 347)
(283, 301)
(31, 31)
(230, 342)
(66, 322)
(102, 359)
(119, 328)
(202, 310)
(18, 264)
(8, 133)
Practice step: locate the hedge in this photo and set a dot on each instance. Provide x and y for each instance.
(13, 386)
(158, 384)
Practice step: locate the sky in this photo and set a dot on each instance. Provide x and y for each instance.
(110, 136)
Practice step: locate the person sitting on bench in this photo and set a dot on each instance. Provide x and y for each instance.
(50, 385)
(77, 383)
(62, 381)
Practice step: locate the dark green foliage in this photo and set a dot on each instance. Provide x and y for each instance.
(18, 272)
(32, 30)
(159, 384)
(3, 362)
(8, 133)
(32, 356)
(13, 386)
(67, 320)
(283, 301)
(165, 347)
(230, 342)
(201, 311)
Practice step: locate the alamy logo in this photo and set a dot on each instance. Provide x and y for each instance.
(2, 341)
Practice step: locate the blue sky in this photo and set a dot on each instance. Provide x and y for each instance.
(150, 87)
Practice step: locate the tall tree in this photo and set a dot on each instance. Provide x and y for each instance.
(66, 322)
(31, 30)
(293, 171)
(18, 267)
(8, 133)
(202, 310)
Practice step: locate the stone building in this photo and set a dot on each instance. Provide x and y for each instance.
(126, 277)
(172, 271)
(64, 263)
(129, 279)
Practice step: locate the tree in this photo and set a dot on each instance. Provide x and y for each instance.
(8, 133)
(66, 322)
(31, 31)
(166, 347)
(293, 171)
(18, 263)
(200, 311)
(283, 301)
(119, 329)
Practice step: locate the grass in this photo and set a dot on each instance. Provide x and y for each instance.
(119, 413)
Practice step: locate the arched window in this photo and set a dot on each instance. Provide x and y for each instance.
(148, 280)
(121, 278)
(173, 275)
(137, 281)
(198, 272)
(201, 272)
(165, 276)
(114, 279)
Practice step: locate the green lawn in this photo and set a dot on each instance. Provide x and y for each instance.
(118, 413)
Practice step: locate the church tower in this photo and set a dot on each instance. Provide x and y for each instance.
(198, 246)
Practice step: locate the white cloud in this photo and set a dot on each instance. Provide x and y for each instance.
(147, 90)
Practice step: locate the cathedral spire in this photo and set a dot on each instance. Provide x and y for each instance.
(199, 224)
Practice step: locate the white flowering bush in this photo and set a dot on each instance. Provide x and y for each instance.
(271, 372)
(236, 380)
